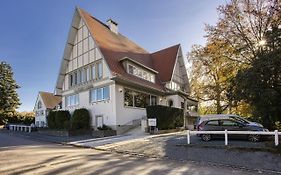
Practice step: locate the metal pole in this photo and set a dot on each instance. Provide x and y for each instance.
(188, 137)
(225, 136)
(276, 138)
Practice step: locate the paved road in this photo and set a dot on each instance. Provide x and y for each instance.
(248, 155)
(24, 156)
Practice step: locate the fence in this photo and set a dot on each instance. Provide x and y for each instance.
(20, 128)
(226, 133)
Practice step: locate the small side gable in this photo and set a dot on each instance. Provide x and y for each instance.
(39, 100)
(179, 73)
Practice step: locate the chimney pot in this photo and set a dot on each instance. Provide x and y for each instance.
(113, 26)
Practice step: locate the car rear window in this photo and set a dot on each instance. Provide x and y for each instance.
(213, 123)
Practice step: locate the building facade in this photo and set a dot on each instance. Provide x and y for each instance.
(45, 102)
(114, 78)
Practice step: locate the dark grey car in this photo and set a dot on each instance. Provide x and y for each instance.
(230, 125)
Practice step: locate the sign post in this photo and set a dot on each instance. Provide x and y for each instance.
(152, 124)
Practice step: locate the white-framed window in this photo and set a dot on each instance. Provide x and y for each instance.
(87, 73)
(141, 73)
(99, 69)
(138, 99)
(72, 100)
(93, 71)
(100, 94)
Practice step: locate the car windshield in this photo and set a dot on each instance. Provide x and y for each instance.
(240, 119)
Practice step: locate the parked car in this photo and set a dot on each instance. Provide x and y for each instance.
(230, 125)
(225, 116)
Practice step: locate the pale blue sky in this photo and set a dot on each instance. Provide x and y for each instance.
(33, 32)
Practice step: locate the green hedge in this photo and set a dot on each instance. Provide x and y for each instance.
(51, 119)
(80, 119)
(167, 117)
(25, 118)
(58, 119)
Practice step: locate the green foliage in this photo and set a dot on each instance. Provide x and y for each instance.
(104, 127)
(58, 119)
(211, 73)
(167, 117)
(9, 100)
(51, 119)
(80, 119)
(259, 85)
(62, 119)
(26, 118)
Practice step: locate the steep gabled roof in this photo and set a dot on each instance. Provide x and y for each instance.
(116, 46)
(164, 61)
(50, 100)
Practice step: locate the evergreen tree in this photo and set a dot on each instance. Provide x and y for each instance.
(9, 100)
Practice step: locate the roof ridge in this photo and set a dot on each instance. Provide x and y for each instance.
(176, 45)
(105, 25)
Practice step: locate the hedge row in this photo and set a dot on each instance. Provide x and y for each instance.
(19, 118)
(63, 120)
(166, 117)
(58, 119)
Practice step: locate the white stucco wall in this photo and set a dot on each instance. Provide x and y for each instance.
(106, 108)
(126, 114)
(40, 118)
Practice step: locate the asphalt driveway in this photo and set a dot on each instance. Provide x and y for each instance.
(20, 155)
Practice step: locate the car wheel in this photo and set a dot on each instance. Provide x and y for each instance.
(254, 137)
(206, 137)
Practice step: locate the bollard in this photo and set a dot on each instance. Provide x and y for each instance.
(29, 129)
(276, 138)
(188, 137)
(225, 137)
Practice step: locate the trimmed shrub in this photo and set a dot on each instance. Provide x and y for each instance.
(51, 120)
(167, 117)
(104, 127)
(80, 119)
(62, 119)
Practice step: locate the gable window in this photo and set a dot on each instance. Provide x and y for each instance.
(99, 69)
(93, 69)
(138, 99)
(100, 94)
(141, 73)
(72, 100)
(85, 74)
(71, 80)
(75, 78)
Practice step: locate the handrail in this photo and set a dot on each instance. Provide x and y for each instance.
(226, 133)
(20, 128)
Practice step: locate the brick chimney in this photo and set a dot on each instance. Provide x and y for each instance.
(113, 26)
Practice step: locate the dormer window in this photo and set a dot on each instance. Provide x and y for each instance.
(141, 73)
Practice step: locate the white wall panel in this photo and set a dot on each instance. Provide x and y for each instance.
(91, 43)
(74, 63)
(86, 58)
(80, 61)
(92, 55)
(80, 48)
(85, 45)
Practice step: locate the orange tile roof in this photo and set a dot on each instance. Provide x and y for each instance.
(50, 100)
(116, 46)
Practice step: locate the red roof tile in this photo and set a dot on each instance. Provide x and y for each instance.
(116, 46)
(50, 100)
